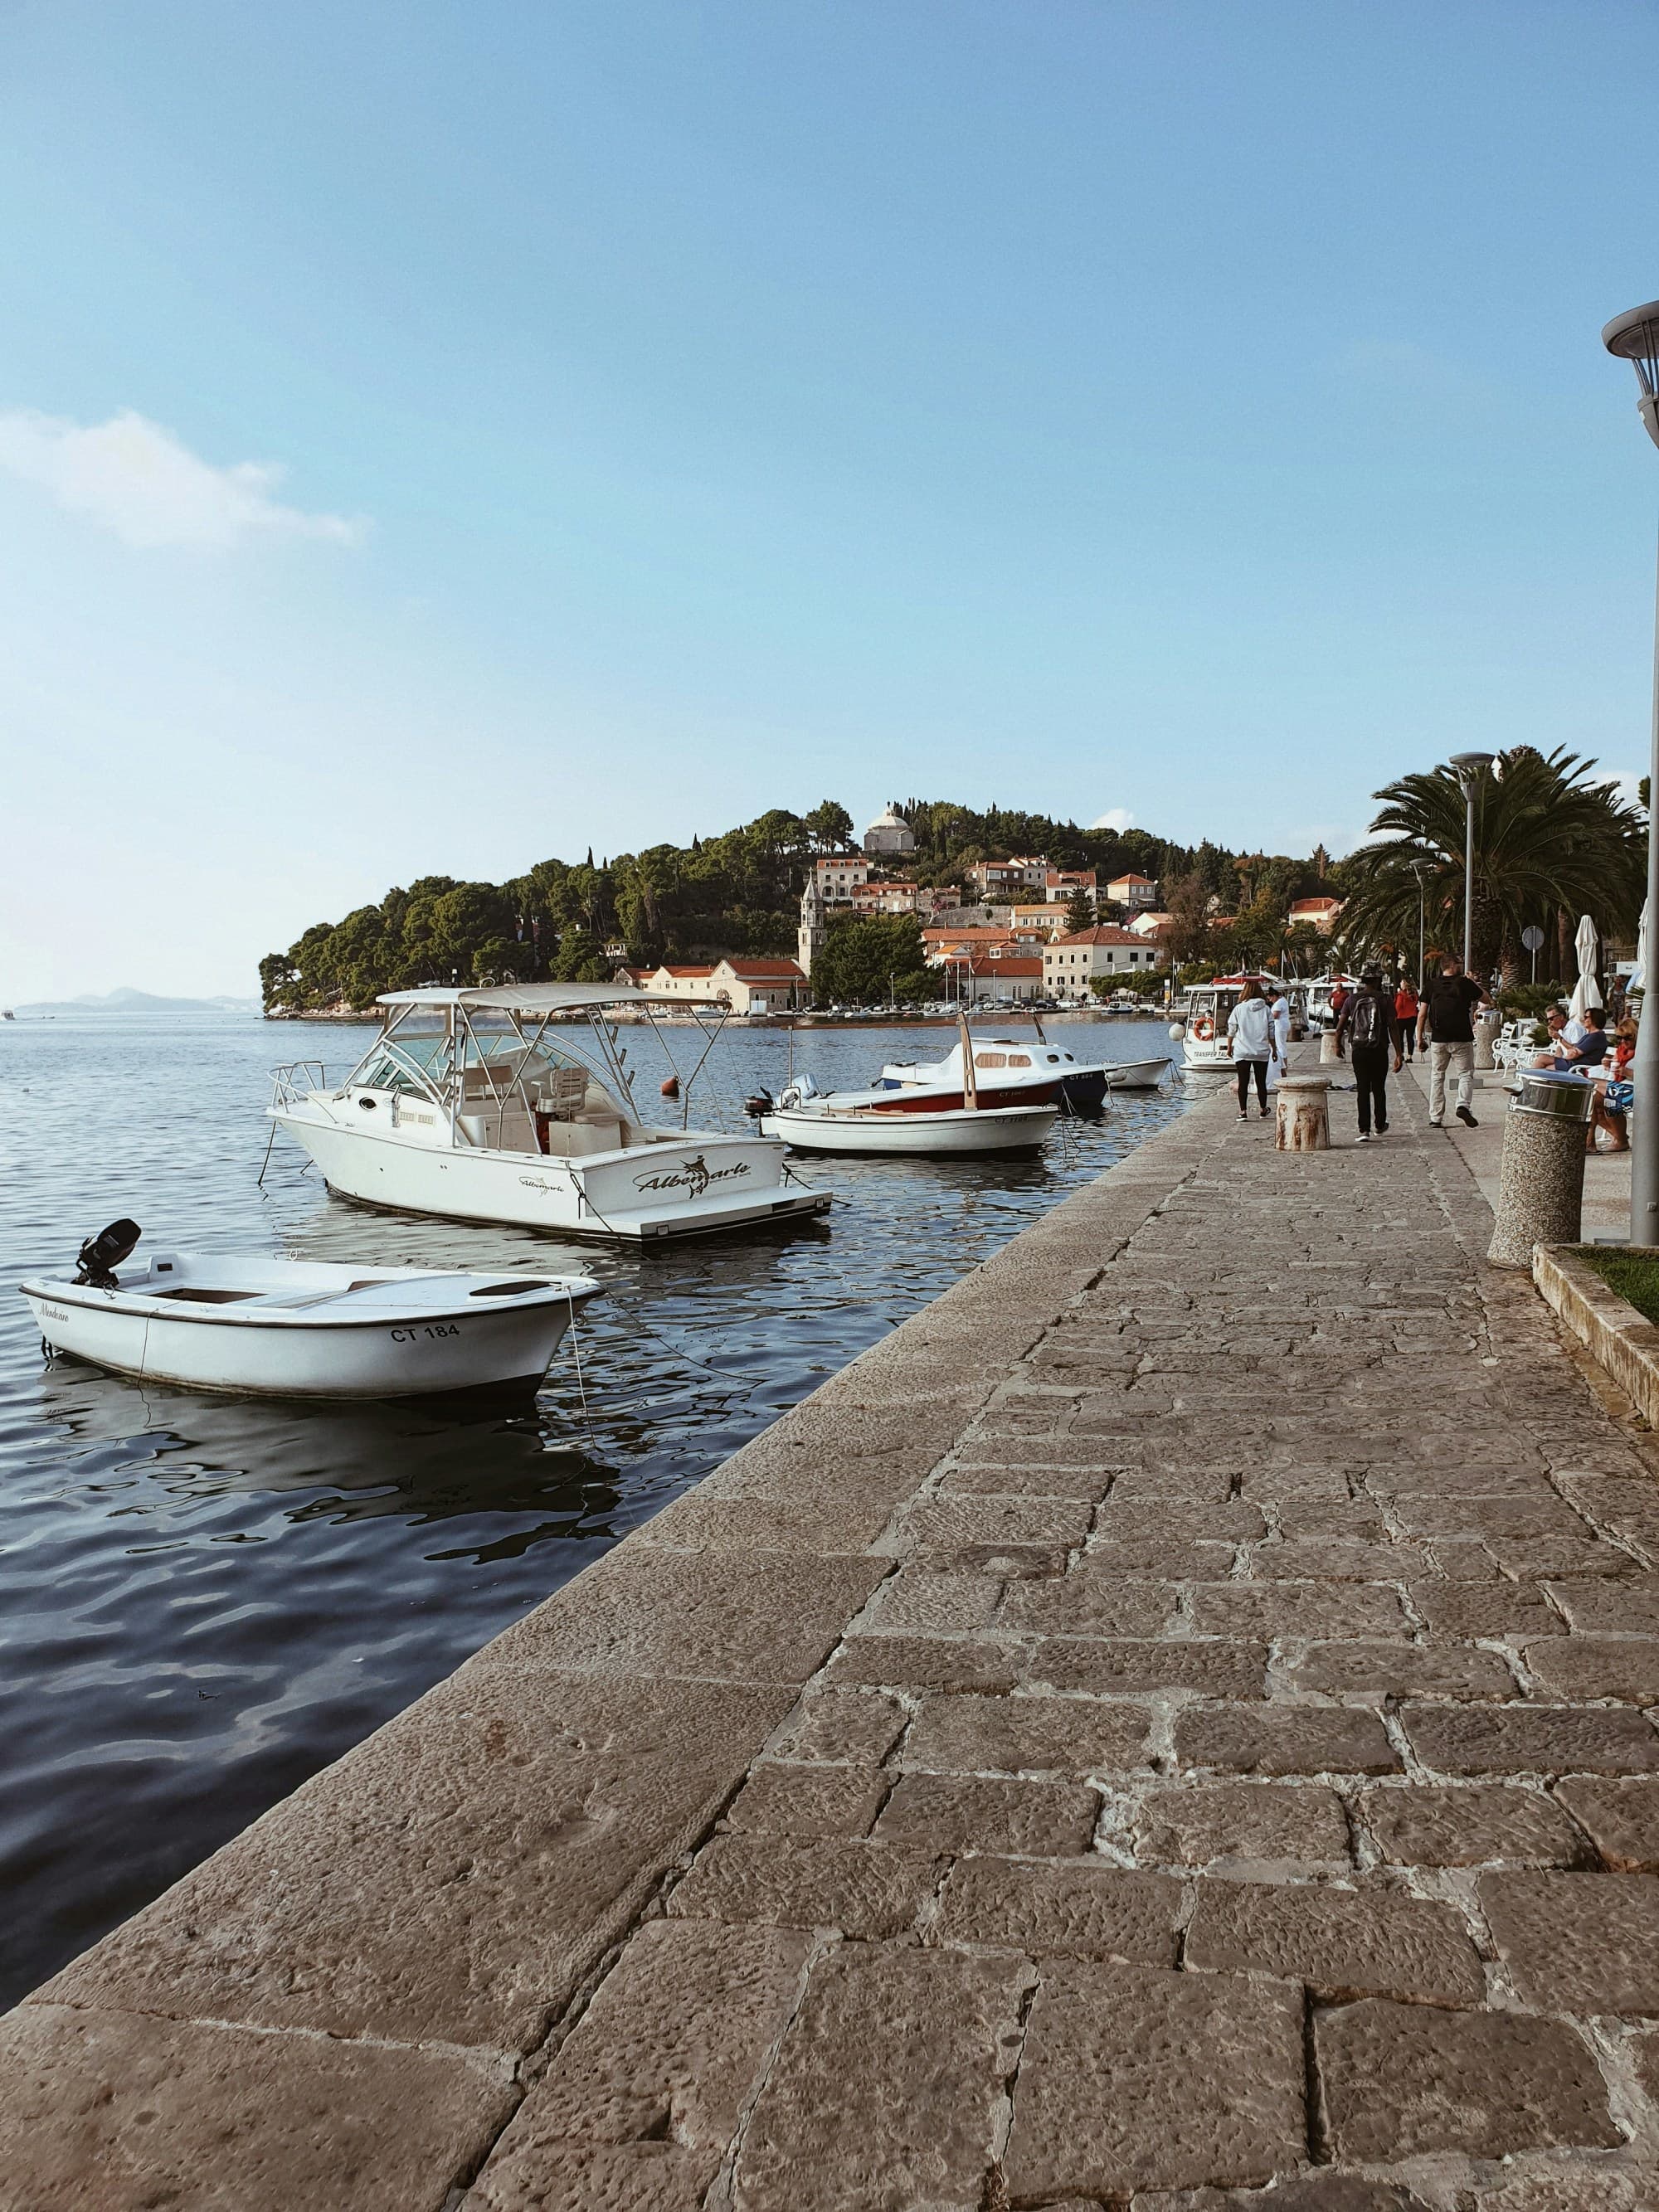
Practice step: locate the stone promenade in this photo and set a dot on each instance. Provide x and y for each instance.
(1168, 1728)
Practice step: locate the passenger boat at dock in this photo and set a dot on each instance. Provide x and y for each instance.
(252, 1326)
(465, 1106)
(1205, 1048)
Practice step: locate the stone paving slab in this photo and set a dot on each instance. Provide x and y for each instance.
(1171, 1728)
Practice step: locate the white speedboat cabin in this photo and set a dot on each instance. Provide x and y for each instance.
(468, 1104)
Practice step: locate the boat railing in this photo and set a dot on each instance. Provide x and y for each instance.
(293, 1085)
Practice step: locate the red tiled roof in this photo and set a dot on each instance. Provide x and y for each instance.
(1103, 932)
(757, 970)
(683, 971)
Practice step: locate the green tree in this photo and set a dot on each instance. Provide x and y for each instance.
(1079, 911)
(864, 960)
(829, 826)
(1191, 938)
(1549, 842)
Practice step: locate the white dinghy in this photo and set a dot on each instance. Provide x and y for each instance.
(294, 1329)
(846, 1122)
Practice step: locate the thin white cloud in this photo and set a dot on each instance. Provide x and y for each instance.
(1115, 817)
(135, 477)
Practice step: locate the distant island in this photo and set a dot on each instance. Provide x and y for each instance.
(129, 1001)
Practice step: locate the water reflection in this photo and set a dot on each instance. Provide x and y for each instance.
(202, 1599)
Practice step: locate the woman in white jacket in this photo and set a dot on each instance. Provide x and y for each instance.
(1251, 1033)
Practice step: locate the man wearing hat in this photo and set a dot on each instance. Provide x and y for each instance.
(1371, 1026)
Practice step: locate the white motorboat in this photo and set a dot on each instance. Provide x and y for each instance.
(1205, 1047)
(1008, 1071)
(293, 1329)
(466, 1107)
(852, 1121)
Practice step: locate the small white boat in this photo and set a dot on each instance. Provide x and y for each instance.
(293, 1329)
(1136, 1075)
(1008, 1071)
(848, 1122)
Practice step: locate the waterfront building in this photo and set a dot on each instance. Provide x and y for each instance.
(890, 833)
(980, 943)
(1013, 975)
(748, 985)
(1318, 914)
(1071, 964)
(1136, 892)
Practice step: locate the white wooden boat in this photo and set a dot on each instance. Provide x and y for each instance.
(850, 1121)
(1136, 1075)
(293, 1328)
(1008, 1071)
(465, 1106)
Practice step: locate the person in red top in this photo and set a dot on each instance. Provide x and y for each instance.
(1405, 1008)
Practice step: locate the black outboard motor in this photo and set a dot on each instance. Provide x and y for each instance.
(101, 1254)
(759, 1104)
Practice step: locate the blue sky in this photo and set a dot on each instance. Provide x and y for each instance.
(435, 438)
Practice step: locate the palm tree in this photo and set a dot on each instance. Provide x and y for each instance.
(1547, 841)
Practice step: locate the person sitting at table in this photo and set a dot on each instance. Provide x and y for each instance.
(1613, 1098)
(1556, 1021)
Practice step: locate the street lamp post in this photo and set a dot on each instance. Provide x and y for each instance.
(1420, 869)
(1468, 767)
(1635, 337)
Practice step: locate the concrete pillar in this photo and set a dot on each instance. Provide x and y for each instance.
(1304, 1121)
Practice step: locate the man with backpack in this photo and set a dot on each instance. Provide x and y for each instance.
(1369, 1024)
(1447, 1018)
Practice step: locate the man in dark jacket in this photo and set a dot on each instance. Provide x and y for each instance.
(1370, 1028)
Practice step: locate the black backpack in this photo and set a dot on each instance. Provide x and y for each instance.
(1368, 1023)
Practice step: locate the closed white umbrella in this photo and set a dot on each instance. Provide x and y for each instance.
(1586, 992)
(1638, 981)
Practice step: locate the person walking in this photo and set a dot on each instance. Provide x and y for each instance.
(1371, 1026)
(1280, 1008)
(1250, 1034)
(1446, 1018)
(1404, 1013)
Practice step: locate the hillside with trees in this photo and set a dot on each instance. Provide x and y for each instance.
(736, 893)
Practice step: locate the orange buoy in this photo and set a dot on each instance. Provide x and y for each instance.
(671, 1088)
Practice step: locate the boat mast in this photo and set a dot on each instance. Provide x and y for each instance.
(969, 1077)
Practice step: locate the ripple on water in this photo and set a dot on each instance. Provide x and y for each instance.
(202, 1600)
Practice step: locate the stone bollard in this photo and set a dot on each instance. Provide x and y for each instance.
(1540, 1193)
(1329, 1054)
(1303, 1122)
(1486, 1027)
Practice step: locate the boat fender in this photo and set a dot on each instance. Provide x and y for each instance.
(1177, 1030)
(671, 1088)
(101, 1254)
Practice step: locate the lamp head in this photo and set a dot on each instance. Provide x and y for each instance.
(1635, 337)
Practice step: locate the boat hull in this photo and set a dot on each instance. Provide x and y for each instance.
(1136, 1075)
(430, 1355)
(913, 1134)
(647, 1193)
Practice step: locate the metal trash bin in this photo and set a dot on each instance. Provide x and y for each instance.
(1540, 1192)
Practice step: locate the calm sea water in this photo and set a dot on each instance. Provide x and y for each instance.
(202, 1600)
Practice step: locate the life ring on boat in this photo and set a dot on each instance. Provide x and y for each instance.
(1204, 1028)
